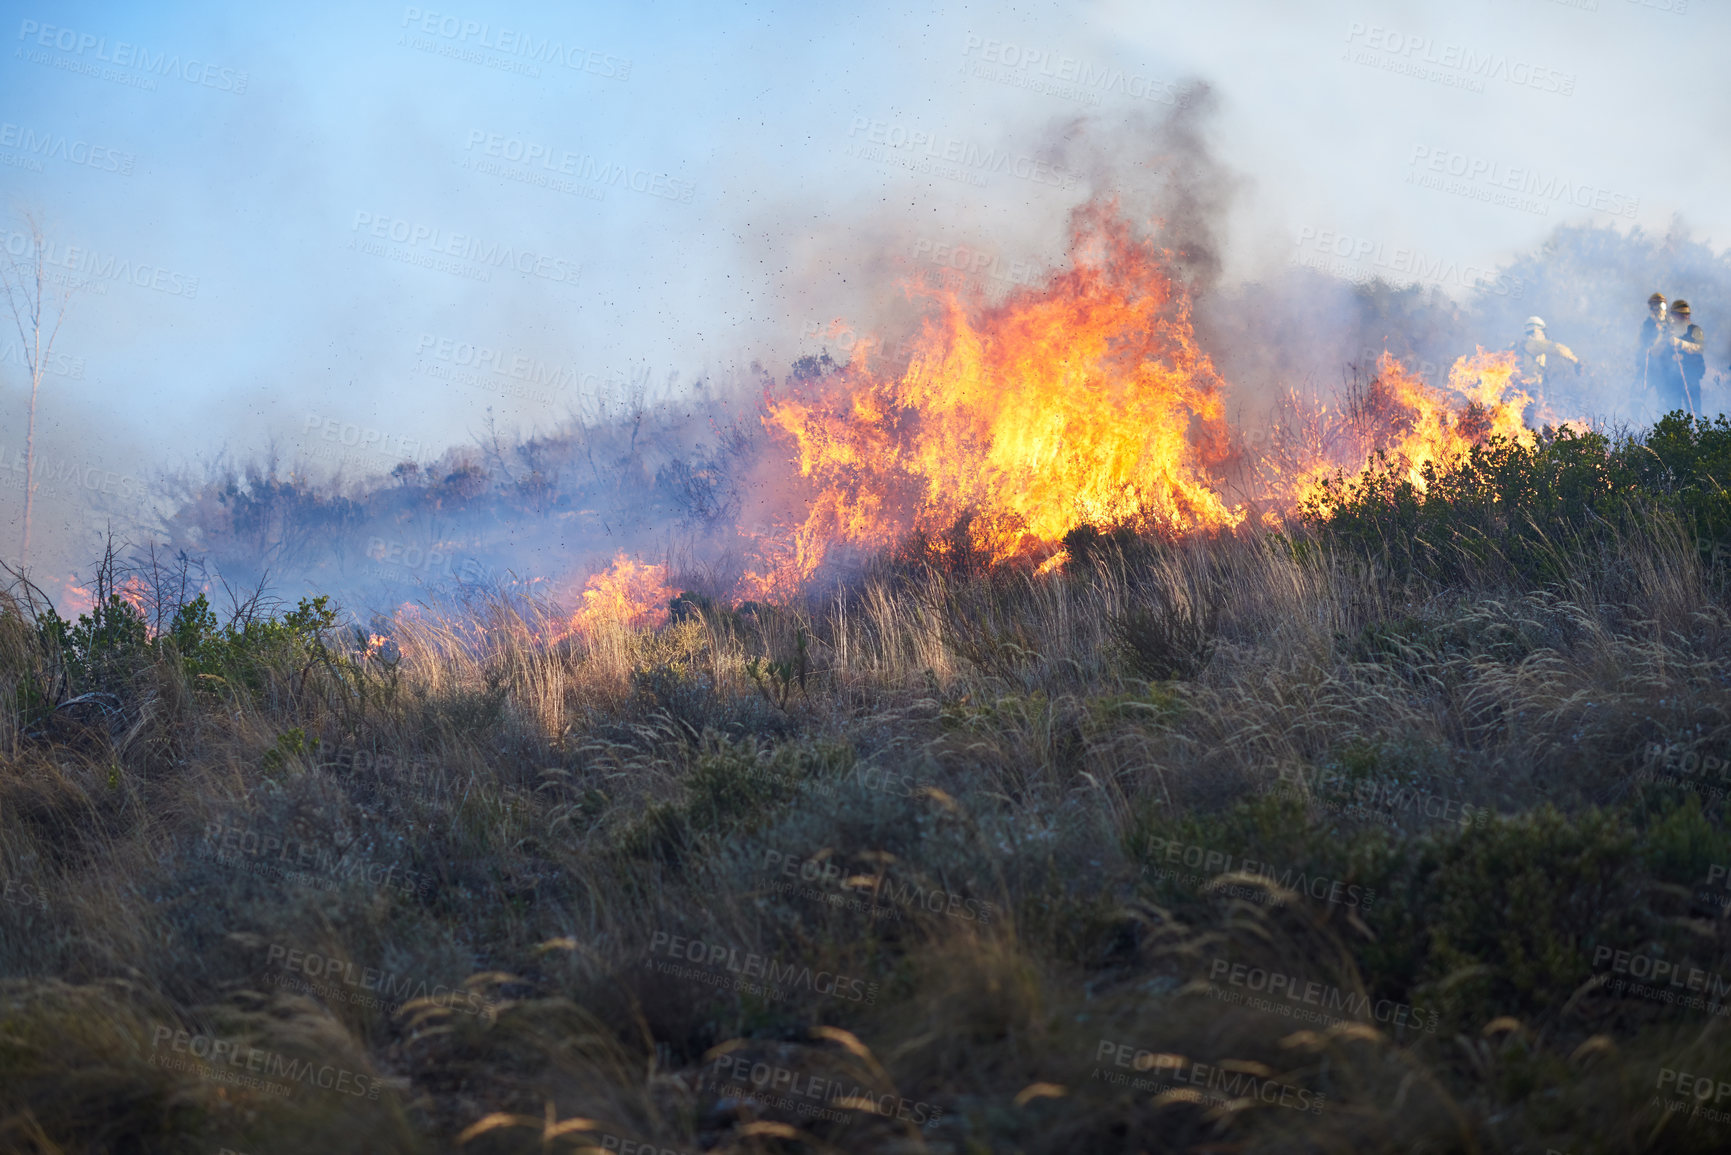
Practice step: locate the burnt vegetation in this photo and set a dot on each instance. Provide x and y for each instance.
(629, 473)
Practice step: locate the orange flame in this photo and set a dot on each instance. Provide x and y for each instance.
(1440, 431)
(1082, 401)
(629, 594)
(75, 598)
(1415, 425)
(1086, 401)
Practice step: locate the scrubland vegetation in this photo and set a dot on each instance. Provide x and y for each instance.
(1401, 829)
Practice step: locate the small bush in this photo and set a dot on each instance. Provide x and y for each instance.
(1173, 640)
(1521, 904)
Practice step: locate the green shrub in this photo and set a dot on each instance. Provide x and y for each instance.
(1521, 904)
(731, 789)
(1173, 640)
(244, 650)
(1684, 844)
(103, 650)
(1535, 510)
(1274, 835)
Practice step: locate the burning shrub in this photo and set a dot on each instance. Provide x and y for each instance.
(1538, 509)
(630, 595)
(1087, 398)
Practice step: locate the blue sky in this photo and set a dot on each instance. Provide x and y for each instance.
(385, 218)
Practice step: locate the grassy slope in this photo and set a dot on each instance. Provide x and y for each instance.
(998, 809)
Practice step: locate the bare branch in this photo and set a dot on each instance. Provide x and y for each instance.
(27, 295)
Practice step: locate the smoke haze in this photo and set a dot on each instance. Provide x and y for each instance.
(553, 256)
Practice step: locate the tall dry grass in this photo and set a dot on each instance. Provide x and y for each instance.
(508, 827)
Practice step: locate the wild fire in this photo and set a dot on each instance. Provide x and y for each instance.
(1085, 400)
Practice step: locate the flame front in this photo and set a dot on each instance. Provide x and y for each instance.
(628, 594)
(1086, 401)
(1413, 425)
(1083, 401)
(1440, 431)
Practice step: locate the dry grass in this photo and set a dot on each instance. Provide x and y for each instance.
(975, 794)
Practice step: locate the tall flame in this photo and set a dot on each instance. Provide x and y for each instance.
(1085, 401)
(1082, 401)
(1441, 431)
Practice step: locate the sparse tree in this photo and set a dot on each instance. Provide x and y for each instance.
(38, 313)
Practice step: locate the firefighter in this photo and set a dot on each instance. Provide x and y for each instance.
(1540, 359)
(1684, 362)
(1655, 349)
